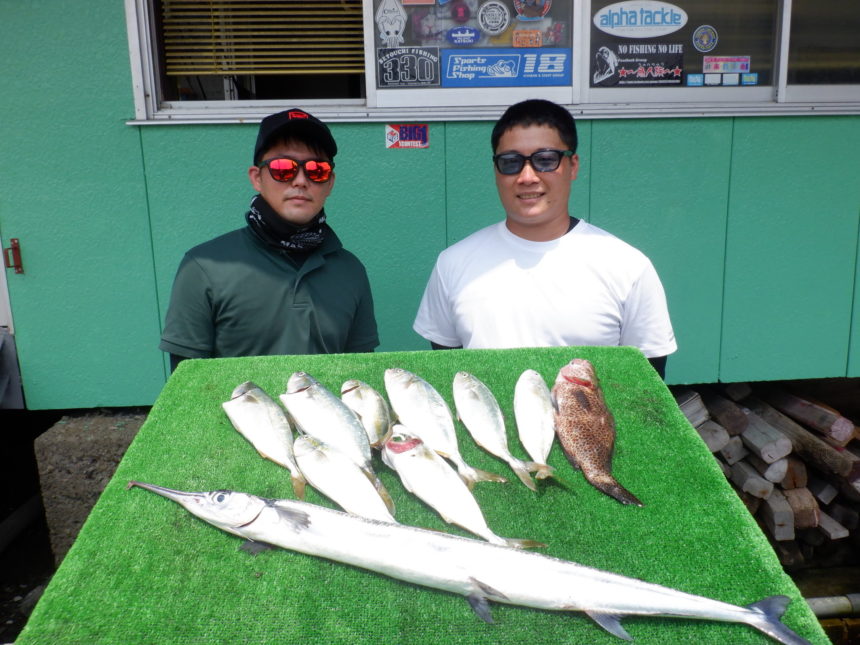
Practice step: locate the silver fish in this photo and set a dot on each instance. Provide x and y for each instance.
(422, 409)
(371, 408)
(472, 568)
(429, 477)
(480, 413)
(258, 418)
(320, 414)
(339, 478)
(535, 418)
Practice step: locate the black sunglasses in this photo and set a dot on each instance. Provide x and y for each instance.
(285, 168)
(512, 163)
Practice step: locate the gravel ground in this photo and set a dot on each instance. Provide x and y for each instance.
(62, 459)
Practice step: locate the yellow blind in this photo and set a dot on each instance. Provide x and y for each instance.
(262, 37)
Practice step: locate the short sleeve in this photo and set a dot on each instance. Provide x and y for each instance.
(435, 319)
(645, 322)
(189, 330)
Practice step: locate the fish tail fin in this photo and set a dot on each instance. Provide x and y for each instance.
(609, 485)
(524, 544)
(380, 488)
(472, 476)
(543, 471)
(521, 468)
(766, 619)
(299, 485)
(384, 494)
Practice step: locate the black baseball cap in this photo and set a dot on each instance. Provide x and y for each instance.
(294, 121)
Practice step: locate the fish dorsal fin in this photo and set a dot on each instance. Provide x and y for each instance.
(478, 599)
(611, 623)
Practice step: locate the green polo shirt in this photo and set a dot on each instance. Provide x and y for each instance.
(236, 296)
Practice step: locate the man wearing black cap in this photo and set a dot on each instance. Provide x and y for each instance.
(283, 284)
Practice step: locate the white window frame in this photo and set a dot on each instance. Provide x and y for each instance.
(449, 104)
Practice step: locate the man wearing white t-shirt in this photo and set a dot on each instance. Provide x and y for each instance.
(542, 278)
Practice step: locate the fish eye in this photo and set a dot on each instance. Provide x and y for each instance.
(220, 497)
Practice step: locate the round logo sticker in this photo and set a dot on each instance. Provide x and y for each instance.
(494, 17)
(531, 9)
(705, 38)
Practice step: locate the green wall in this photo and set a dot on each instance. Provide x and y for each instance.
(752, 223)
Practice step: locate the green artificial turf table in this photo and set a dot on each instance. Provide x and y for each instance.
(143, 570)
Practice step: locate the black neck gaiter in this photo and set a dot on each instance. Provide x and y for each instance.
(278, 232)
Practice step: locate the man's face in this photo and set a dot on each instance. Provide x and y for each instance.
(536, 203)
(298, 200)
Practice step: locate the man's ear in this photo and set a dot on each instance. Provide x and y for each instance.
(255, 178)
(574, 166)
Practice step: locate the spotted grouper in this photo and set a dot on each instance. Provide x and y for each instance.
(585, 427)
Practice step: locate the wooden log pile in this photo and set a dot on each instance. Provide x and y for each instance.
(794, 462)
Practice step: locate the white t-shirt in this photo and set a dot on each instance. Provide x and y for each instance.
(496, 290)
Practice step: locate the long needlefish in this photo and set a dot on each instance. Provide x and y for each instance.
(479, 411)
(371, 408)
(430, 478)
(258, 418)
(480, 571)
(535, 418)
(586, 428)
(319, 413)
(420, 407)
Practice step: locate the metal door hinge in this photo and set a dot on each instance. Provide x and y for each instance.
(12, 256)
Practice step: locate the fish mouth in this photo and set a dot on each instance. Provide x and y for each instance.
(175, 495)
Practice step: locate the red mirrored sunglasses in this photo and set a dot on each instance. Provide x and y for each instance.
(285, 168)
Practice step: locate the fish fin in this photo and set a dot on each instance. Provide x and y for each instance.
(611, 623)
(481, 607)
(383, 493)
(472, 476)
(255, 547)
(299, 486)
(298, 520)
(543, 471)
(486, 476)
(522, 471)
(767, 620)
(478, 599)
(610, 486)
(524, 544)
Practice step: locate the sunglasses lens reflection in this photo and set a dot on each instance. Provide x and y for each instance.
(284, 169)
(318, 170)
(546, 161)
(510, 164)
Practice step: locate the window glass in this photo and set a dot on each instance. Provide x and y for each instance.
(235, 50)
(472, 43)
(650, 43)
(825, 42)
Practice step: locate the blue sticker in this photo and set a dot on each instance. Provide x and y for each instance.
(749, 78)
(463, 36)
(506, 67)
(695, 80)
